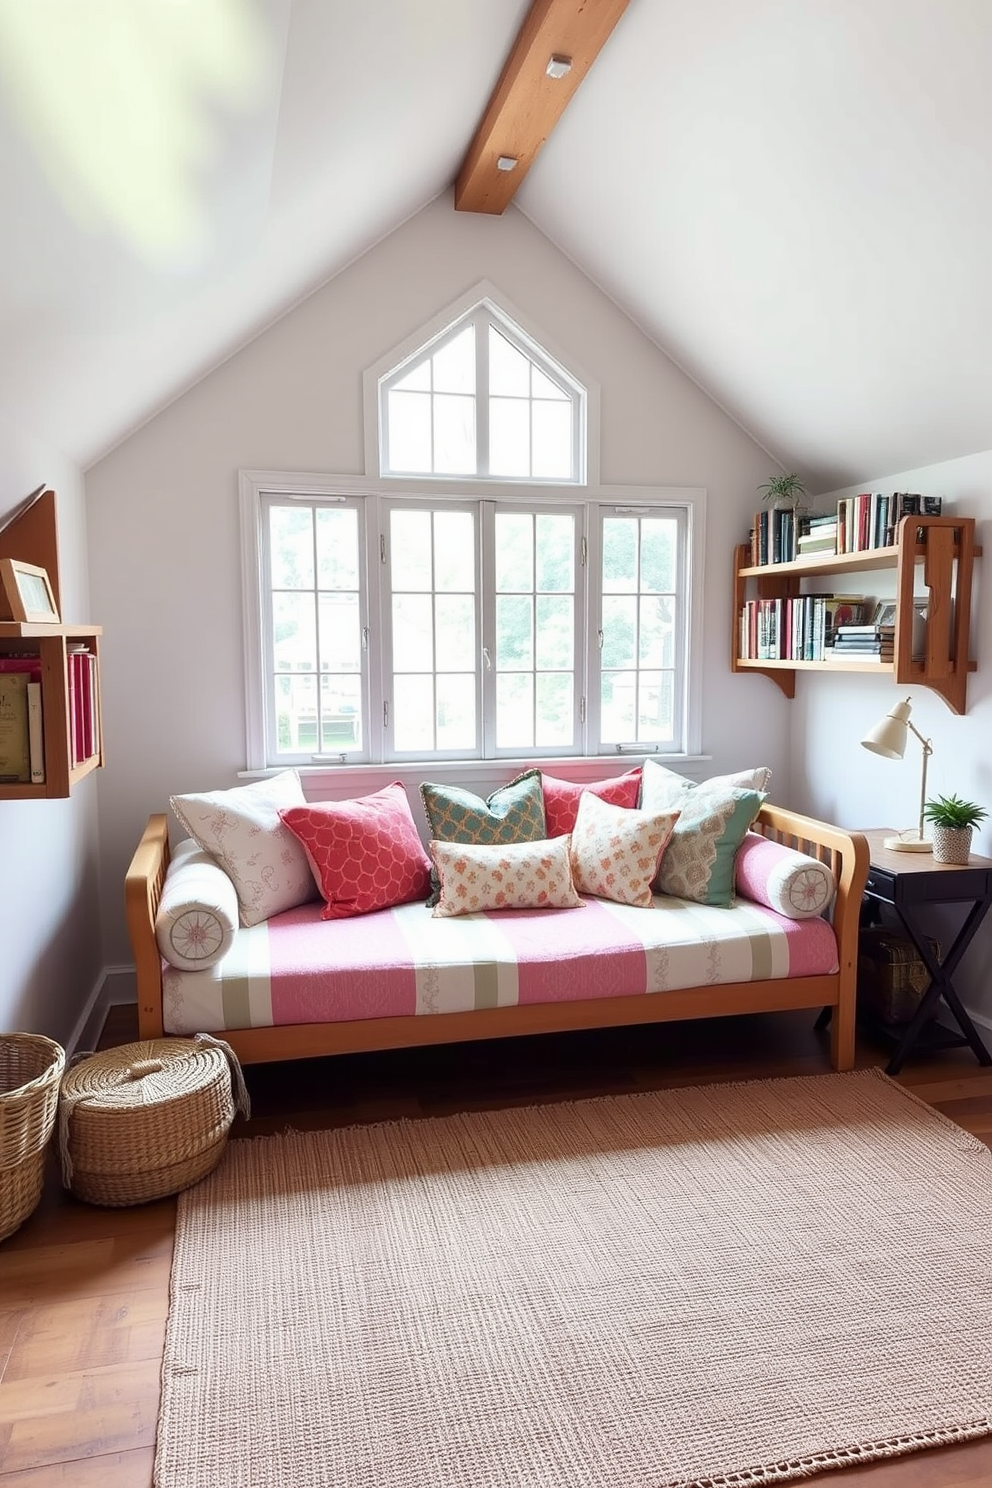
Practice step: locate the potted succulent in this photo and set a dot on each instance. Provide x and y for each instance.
(953, 822)
(785, 492)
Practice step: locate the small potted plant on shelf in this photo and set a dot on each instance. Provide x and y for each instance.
(785, 492)
(953, 822)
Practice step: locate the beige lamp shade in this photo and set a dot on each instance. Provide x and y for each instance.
(888, 738)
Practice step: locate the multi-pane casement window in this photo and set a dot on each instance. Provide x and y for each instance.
(443, 626)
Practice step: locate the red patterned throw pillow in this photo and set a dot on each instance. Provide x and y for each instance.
(561, 797)
(365, 854)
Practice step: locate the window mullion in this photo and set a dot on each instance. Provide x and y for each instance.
(482, 392)
(378, 656)
(487, 627)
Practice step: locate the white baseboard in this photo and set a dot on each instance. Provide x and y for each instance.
(114, 986)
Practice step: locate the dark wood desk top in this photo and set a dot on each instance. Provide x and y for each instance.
(913, 862)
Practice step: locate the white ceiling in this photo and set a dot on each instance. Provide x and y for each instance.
(792, 197)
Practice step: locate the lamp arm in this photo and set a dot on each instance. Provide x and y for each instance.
(927, 752)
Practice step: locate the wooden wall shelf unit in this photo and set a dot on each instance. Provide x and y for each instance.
(935, 554)
(31, 535)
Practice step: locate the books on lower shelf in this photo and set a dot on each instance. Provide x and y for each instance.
(797, 628)
(84, 714)
(22, 757)
(865, 642)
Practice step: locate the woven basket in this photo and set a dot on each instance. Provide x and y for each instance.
(30, 1069)
(147, 1119)
(892, 976)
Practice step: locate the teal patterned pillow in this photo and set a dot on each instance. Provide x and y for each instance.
(514, 813)
(699, 861)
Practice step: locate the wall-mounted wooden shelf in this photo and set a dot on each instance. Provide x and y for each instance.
(935, 552)
(31, 535)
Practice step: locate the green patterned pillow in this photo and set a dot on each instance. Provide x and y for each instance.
(698, 862)
(514, 813)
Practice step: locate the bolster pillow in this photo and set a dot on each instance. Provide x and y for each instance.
(198, 913)
(792, 883)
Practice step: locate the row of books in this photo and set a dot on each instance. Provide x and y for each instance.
(22, 724)
(860, 523)
(801, 627)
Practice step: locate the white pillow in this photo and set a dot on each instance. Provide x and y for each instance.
(197, 917)
(753, 779)
(242, 830)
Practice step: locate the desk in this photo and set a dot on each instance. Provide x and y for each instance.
(908, 881)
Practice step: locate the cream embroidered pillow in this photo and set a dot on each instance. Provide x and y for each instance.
(699, 861)
(519, 875)
(242, 830)
(616, 851)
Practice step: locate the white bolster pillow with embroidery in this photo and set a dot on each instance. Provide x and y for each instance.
(790, 882)
(197, 915)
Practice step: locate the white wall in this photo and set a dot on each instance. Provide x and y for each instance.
(49, 908)
(163, 518)
(854, 788)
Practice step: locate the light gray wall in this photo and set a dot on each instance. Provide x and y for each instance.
(845, 783)
(52, 960)
(163, 517)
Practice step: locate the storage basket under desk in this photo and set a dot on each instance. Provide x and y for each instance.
(147, 1119)
(892, 976)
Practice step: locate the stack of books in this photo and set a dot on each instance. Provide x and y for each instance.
(817, 535)
(865, 642)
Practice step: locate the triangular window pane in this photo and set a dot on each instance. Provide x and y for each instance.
(543, 387)
(418, 379)
(509, 369)
(454, 364)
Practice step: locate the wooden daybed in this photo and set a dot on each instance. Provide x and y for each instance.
(846, 853)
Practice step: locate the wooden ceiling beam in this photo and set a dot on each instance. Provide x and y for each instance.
(526, 103)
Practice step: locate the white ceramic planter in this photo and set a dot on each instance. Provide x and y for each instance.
(951, 844)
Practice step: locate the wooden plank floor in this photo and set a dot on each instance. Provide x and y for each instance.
(84, 1291)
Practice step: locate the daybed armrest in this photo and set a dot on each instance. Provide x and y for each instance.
(847, 856)
(142, 892)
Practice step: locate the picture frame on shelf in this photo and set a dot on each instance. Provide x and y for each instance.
(27, 592)
(885, 612)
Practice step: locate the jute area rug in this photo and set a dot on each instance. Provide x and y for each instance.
(724, 1285)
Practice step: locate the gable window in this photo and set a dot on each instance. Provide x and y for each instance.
(482, 400)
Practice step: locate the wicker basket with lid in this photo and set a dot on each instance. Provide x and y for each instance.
(147, 1119)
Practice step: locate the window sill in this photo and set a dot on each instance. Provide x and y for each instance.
(337, 782)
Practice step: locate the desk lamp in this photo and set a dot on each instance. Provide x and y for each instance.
(888, 738)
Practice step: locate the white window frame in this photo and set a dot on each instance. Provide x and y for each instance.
(485, 304)
(374, 764)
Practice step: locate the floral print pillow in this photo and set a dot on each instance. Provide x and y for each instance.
(615, 852)
(519, 875)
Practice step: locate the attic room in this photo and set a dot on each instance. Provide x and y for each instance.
(752, 234)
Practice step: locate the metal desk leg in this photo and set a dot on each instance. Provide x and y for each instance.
(941, 986)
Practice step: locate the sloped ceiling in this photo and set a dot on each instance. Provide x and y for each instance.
(791, 197)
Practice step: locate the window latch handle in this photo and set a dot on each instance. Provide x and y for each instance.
(487, 658)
